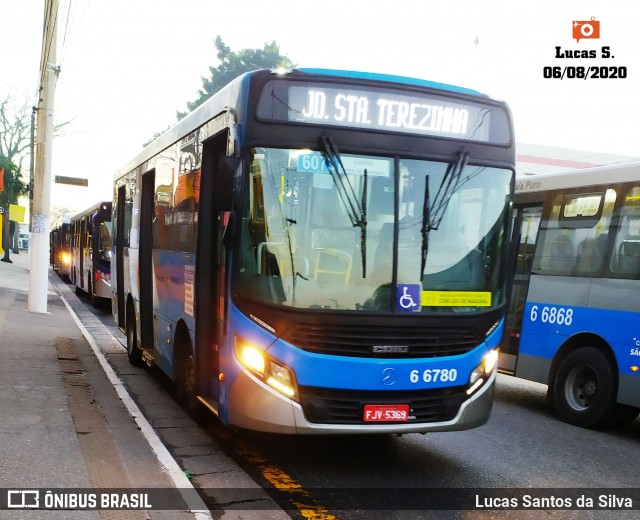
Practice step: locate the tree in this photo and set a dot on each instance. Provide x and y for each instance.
(14, 187)
(15, 140)
(15, 130)
(232, 65)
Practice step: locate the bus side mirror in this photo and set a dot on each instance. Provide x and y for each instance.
(224, 185)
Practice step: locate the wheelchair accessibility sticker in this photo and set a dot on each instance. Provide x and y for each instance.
(408, 297)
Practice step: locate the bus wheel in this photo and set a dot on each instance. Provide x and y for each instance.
(583, 390)
(186, 384)
(133, 352)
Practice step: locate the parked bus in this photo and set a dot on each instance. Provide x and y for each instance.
(91, 252)
(315, 251)
(60, 248)
(574, 309)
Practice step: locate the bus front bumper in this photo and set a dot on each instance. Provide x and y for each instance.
(256, 406)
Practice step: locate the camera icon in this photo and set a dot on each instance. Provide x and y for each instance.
(589, 29)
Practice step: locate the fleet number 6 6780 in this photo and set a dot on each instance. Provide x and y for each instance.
(434, 375)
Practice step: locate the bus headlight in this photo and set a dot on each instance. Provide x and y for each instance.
(482, 372)
(65, 258)
(277, 375)
(250, 357)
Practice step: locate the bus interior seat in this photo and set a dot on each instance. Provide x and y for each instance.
(333, 262)
(333, 248)
(560, 256)
(591, 253)
(629, 257)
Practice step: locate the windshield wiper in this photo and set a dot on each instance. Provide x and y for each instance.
(357, 212)
(363, 225)
(424, 230)
(432, 215)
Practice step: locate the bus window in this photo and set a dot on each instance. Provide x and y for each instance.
(104, 241)
(625, 259)
(573, 237)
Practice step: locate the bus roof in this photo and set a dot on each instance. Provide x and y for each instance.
(608, 174)
(391, 79)
(105, 205)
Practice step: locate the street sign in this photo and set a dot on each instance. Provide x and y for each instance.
(74, 181)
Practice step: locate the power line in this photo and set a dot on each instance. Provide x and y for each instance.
(72, 22)
(66, 28)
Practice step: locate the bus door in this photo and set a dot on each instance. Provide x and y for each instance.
(526, 222)
(119, 246)
(145, 267)
(82, 246)
(210, 273)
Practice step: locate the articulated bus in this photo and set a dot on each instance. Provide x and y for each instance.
(91, 252)
(319, 251)
(60, 248)
(574, 317)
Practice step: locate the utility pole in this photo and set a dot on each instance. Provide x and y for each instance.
(40, 225)
(32, 158)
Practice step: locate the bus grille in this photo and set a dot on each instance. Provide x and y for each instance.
(359, 341)
(330, 406)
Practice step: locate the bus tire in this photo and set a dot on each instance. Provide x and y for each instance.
(133, 352)
(186, 382)
(584, 390)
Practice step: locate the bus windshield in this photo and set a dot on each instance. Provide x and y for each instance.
(104, 241)
(324, 232)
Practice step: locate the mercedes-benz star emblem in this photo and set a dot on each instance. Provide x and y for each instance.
(388, 376)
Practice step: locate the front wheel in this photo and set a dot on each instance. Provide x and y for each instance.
(186, 387)
(133, 352)
(584, 392)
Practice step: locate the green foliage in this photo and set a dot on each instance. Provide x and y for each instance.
(234, 64)
(14, 186)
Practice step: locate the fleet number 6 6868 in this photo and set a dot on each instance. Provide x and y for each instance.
(550, 314)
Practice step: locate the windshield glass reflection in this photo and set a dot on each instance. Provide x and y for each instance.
(319, 231)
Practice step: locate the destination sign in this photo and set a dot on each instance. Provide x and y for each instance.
(386, 109)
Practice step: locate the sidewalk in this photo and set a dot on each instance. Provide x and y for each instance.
(56, 430)
(38, 442)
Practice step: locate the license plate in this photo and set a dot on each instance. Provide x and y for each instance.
(386, 413)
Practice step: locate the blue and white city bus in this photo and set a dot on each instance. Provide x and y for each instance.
(319, 251)
(574, 318)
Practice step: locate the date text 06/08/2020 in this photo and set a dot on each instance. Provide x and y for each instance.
(579, 72)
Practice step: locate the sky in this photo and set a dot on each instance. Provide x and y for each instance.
(127, 66)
